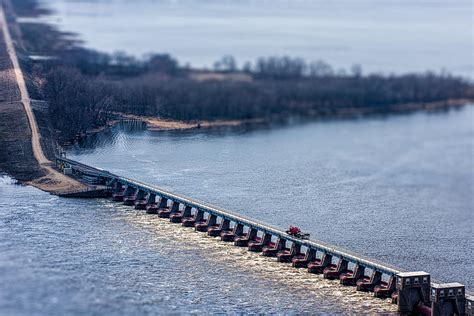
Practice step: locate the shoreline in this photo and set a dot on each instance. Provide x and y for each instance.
(432, 106)
(156, 124)
(164, 124)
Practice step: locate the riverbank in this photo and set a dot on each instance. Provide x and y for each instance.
(161, 124)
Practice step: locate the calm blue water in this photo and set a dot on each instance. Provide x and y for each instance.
(382, 35)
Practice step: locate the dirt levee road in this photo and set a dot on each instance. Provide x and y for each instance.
(14, 92)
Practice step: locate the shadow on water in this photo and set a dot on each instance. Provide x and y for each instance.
(109, 135)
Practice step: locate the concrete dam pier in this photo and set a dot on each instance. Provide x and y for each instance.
(414, 292)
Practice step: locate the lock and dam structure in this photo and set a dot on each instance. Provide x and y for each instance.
(414, 292)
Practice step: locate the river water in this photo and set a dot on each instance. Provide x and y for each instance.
(381, 35)
(397, 188)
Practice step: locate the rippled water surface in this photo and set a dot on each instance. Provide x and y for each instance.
(382, 35)
(399, 189)
(61, 256)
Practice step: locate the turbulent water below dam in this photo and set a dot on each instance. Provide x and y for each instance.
(396, 188)
(97, 257)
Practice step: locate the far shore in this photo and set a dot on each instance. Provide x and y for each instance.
(162, 124)
(158, 124)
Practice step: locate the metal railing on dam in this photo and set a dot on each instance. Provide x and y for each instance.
(412, 291)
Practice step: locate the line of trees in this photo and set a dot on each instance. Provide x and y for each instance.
(81, 99)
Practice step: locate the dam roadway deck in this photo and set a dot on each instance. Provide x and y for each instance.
(409, 290)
